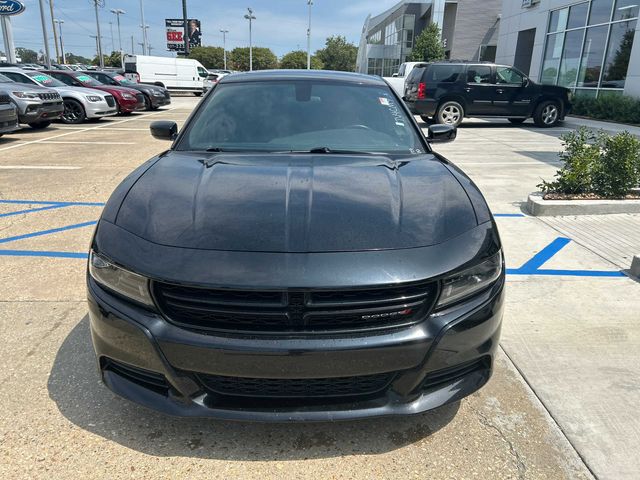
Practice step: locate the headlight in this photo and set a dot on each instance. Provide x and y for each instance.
(128, 96)
(25, 95)
(94, 98)
(158, 93)
(124, 282)
(463, 284)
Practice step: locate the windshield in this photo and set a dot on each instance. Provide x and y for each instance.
(302, 116)
(87, 80)
(4, 79)
(122, 80)
(46, 80)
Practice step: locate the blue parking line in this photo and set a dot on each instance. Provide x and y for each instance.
(46, 232)
(39, 253)
(39, 209)
(544, 255)
(516, 215)
(567, 273)
(64, 204)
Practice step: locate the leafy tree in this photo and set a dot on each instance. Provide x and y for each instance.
(112, 60)
(428, 46)
(210, 57)
(263, 58)
(27, 55)
(338, 54)
(297, 59)
(71, 58)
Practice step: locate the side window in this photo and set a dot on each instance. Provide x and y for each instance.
(202, 72)
(479, 74)
(63, 78)
(16, 77)
(506, 75)
(443, 73)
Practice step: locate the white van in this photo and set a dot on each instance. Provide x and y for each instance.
(175, 74)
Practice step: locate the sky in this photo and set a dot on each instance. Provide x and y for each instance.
(280, 25)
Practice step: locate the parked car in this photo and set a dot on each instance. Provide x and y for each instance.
(154, 96)
(299, 253)
(127, 99)
(37, 106)
(8, 114)
(80, 103)
(451, 91)
(398, 80)
(174, 74)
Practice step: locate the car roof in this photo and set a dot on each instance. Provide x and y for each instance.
(323, 75)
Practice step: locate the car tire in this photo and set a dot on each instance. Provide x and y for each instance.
(517, 121)
(147, 103)
(39, 125)
(425, 119)
(73, 112)
(450, 113)
(197, 94)
(547, 114)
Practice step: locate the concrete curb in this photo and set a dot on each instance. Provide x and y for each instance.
(538, 207)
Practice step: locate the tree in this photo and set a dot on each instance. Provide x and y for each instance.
(297, 59)
(112, 60)
(26, 55)
(338, 54)
(210, 57)
(263, 58)
(428, 46)
(71, 59)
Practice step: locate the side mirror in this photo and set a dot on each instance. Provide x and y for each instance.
(442, 133)
(164, 130)
(525, 82)
(394, 75)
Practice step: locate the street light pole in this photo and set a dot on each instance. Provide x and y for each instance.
(249, 16)
(60, 22)
(144, 30)
(224, 46)
(47, 57)
(185, 33)
(97, 3)
(309, 2)
(113, 44)
(117, 12)
(55, 37)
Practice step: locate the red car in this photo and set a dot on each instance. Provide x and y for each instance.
(128, 99)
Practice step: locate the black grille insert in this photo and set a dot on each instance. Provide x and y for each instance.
(151, 380)
(49, 96)
(294, 311)
(296, 388)
(110, 100)
(4, 98)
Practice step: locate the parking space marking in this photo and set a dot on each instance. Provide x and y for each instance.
(39, 253)
(509, 215)
(38, 167)
(47, 232)
(63, 142)
(44, 202)
(30, 210)
(532, 266)
(87, 129)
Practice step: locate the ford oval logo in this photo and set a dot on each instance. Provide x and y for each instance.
(11, 7)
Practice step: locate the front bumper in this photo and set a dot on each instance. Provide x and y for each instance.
(128, 106)
(99, 109)
(8, 119)
(160, 101)
(41, 112)
(441, 359)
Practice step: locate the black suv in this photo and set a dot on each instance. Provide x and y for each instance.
(450, 91)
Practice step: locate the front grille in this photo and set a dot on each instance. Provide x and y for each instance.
(140, 97)
(4, 98)
(449, 375)
(49, 96)
(296, 388)
(312, 311)
(151, 380)
(110, 100)
(11, 123)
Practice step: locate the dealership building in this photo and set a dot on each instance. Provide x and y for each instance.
(468, 32)
(586, 45)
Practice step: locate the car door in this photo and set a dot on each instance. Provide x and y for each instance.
(64, 78)
(513, 98)
(479, 90)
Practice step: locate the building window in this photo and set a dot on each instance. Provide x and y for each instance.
(588, 45)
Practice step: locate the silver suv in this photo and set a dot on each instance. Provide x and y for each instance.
(80, 103)
(37, 106)
(8, 115)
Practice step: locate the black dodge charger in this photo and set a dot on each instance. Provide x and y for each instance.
(298, 254)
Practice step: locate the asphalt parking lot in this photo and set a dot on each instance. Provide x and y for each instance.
(562, 402)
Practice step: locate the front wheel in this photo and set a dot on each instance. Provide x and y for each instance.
(147, 103)
(517, 121)
(425, 119)
(39, 125)
(197, 94)
(547, 114)
(73, 112)
(450, 113)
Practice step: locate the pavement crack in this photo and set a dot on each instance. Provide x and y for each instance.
(519, 462)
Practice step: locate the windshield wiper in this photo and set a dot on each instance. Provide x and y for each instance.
(331, 150)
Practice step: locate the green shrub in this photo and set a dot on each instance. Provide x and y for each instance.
(601, 164)
(618, 108)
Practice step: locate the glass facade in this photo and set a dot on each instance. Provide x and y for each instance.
(588, 46)
(396, 41)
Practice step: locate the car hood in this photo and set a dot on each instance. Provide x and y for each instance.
(295, 203)
(83, 90)
(23, 87)
(112, 89)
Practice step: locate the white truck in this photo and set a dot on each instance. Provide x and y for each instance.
(398, 80)
(174, 74)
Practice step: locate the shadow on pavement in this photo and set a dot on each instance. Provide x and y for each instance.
(76, 389)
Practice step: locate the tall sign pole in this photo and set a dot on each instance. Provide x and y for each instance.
(47, 56)
(96, 4)
(55, 34)
(144, 30)
(309, 2)
(249, 16)
(224, 46)
(186, 27)
(7, 10)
